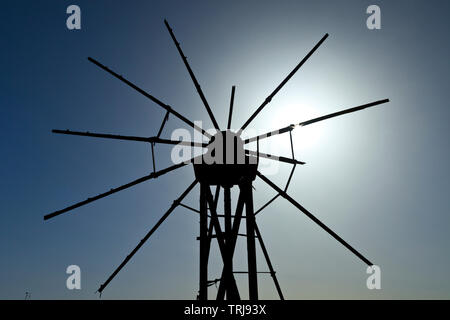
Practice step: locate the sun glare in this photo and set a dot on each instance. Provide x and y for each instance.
(303, 137)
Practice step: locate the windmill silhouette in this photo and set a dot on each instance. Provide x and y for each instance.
(232, 166)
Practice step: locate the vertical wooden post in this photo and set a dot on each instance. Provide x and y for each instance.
(204, 250)
(251, 248)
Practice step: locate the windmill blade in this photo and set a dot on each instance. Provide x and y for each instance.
(271, 133)
(266, 204)
(131, 138)
(277, 195)
(152, 175)
(311, 121)
(100, 135)
(191, 73)
(313, 218)
(272, 157)
(181, 142)
(155, 100)
(147, 236)
(270, 97)
(230, 113)
(269, 263)
(339, 113)
(163, 123)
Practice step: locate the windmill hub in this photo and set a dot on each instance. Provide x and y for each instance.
(225, 147)
(225, 162)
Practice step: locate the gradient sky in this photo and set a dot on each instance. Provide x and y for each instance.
(379, 178)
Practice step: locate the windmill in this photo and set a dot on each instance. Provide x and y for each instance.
(232, 166)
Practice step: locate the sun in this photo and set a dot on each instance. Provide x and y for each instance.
(304, 138)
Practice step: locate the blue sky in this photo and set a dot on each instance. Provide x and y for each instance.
(379, 177)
